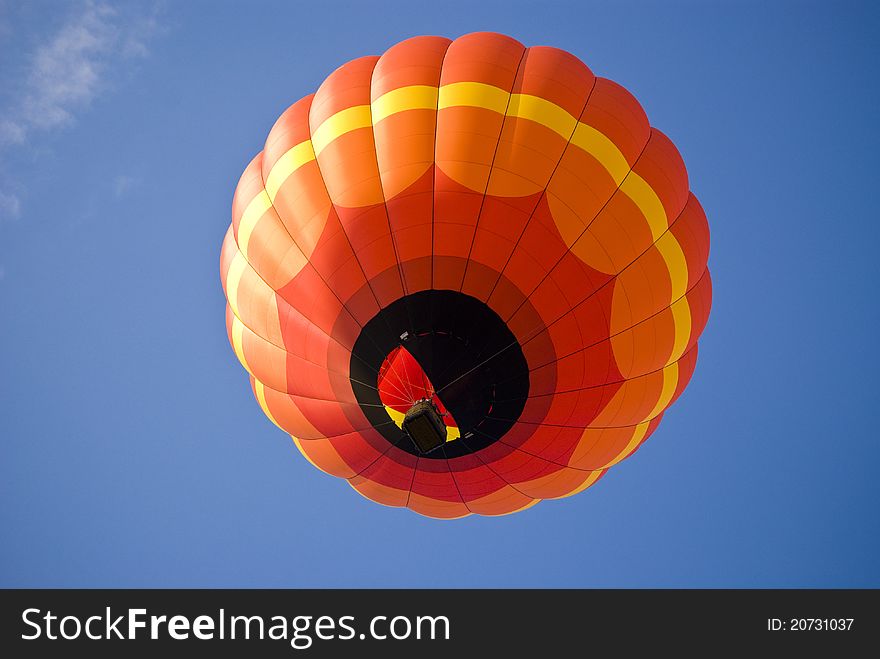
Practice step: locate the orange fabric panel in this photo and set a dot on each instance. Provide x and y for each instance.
(466, 143)
(347, 86)
(616, 113)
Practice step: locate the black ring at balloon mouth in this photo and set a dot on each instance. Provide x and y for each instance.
(471, 357)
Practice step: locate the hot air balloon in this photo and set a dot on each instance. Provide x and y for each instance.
(466, 275)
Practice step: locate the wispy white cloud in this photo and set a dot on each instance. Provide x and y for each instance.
(68, 71)
(123, 184)
(73, 65)
(10, 206)
(11, 132)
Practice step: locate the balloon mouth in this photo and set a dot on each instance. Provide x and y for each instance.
(451, 352)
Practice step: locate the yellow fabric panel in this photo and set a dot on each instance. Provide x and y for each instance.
(294, 158)
(643, 195)
(414, 97)
(670, 382)
(542, 111)
(637, 436)
(233, 277)
(260, 390)
(676, 262)
(473, 94)
(396, 416)
(238, 342)
(593, 477)
(681, 314)
(602, 149)
(258, 307)
(342, 122)
(252, 214)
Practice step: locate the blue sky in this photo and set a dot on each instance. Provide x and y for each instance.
(132, 451)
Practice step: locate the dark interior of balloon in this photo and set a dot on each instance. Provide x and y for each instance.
(473, 367)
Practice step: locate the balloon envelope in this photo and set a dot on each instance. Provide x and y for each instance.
(483, 226)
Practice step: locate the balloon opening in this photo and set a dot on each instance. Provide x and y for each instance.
(451, 350)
